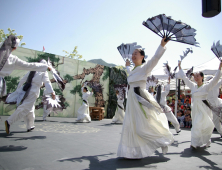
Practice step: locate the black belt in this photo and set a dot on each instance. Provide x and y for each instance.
(85, 102)
(120, 106)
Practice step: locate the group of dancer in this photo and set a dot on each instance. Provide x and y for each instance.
(145, 119)
(145, 126)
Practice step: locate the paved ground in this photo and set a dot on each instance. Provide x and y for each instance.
(59, 143)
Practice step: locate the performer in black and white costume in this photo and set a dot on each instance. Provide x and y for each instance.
(201, 114)
(160, 97)
(83, 111)
(216, 102)
(9, 62)
(26, 108)
(120, 113)
(145, 126)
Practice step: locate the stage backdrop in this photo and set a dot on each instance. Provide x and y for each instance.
(74, 73)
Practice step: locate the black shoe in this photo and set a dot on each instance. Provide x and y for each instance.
(179, 131)
(220, 136)
(7, 127)
(29, 130)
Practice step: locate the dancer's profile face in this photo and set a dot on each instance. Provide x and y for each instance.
(198, 78)
(137, 57)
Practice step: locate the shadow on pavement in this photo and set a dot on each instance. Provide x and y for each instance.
(28, 138)
(69, 122)
(45, 121)
(200, 153)
(116, 163)
(11, 148)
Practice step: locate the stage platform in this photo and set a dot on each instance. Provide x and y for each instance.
(62, 144)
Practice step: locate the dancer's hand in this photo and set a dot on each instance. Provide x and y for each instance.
(163, 43)
(127, 62)
(179, 64)
(220, 65)
(169, 79)
(53, 96)
(49, 68)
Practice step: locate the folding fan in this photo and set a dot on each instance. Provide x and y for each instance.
(151, 82)
(121, 89)
(189, 50)
(174, 30)
(52, 105)
(217, 49)
(56, 76)
(126, 51)
(189, 73)
(185, 53)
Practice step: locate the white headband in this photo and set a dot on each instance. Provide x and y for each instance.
(17, 42)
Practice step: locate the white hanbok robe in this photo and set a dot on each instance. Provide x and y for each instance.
(169, 114)
(83, 111)
(216, 102)
(119, 114)
(144, 129)
(27, 108)
(202, 124)
(14, 63)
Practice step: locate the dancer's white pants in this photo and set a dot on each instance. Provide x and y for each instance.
(172, 118)
(217, 123)
(26, 111)
(45, 112)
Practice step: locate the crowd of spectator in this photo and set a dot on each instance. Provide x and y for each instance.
(183, 110)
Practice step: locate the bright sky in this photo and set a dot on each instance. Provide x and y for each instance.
(98, 27)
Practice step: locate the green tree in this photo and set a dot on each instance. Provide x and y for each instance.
(77, 89)
(11, 83)
(74, 54)
(3, 35)
(68, 78)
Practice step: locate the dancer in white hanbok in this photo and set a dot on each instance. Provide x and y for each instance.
(216, 102)
(120, 113)
(9, 62)
(26, 109)
(202, 124)
(83, 111)
(145, 126)
(161, 99)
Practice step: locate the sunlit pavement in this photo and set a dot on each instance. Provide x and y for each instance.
(61, 143)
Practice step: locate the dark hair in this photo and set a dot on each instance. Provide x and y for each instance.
(158, 95)
(188, 100)
(142, 53)
(86, 88)
(173, 99)
(202, 75)
(181, 112)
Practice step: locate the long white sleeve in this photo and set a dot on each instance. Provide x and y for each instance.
(128, 69)
(23, 80)
(23, 65)
(154, 60)
(214, 81)
(181, 75)
(46, 81)
(166, 91)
